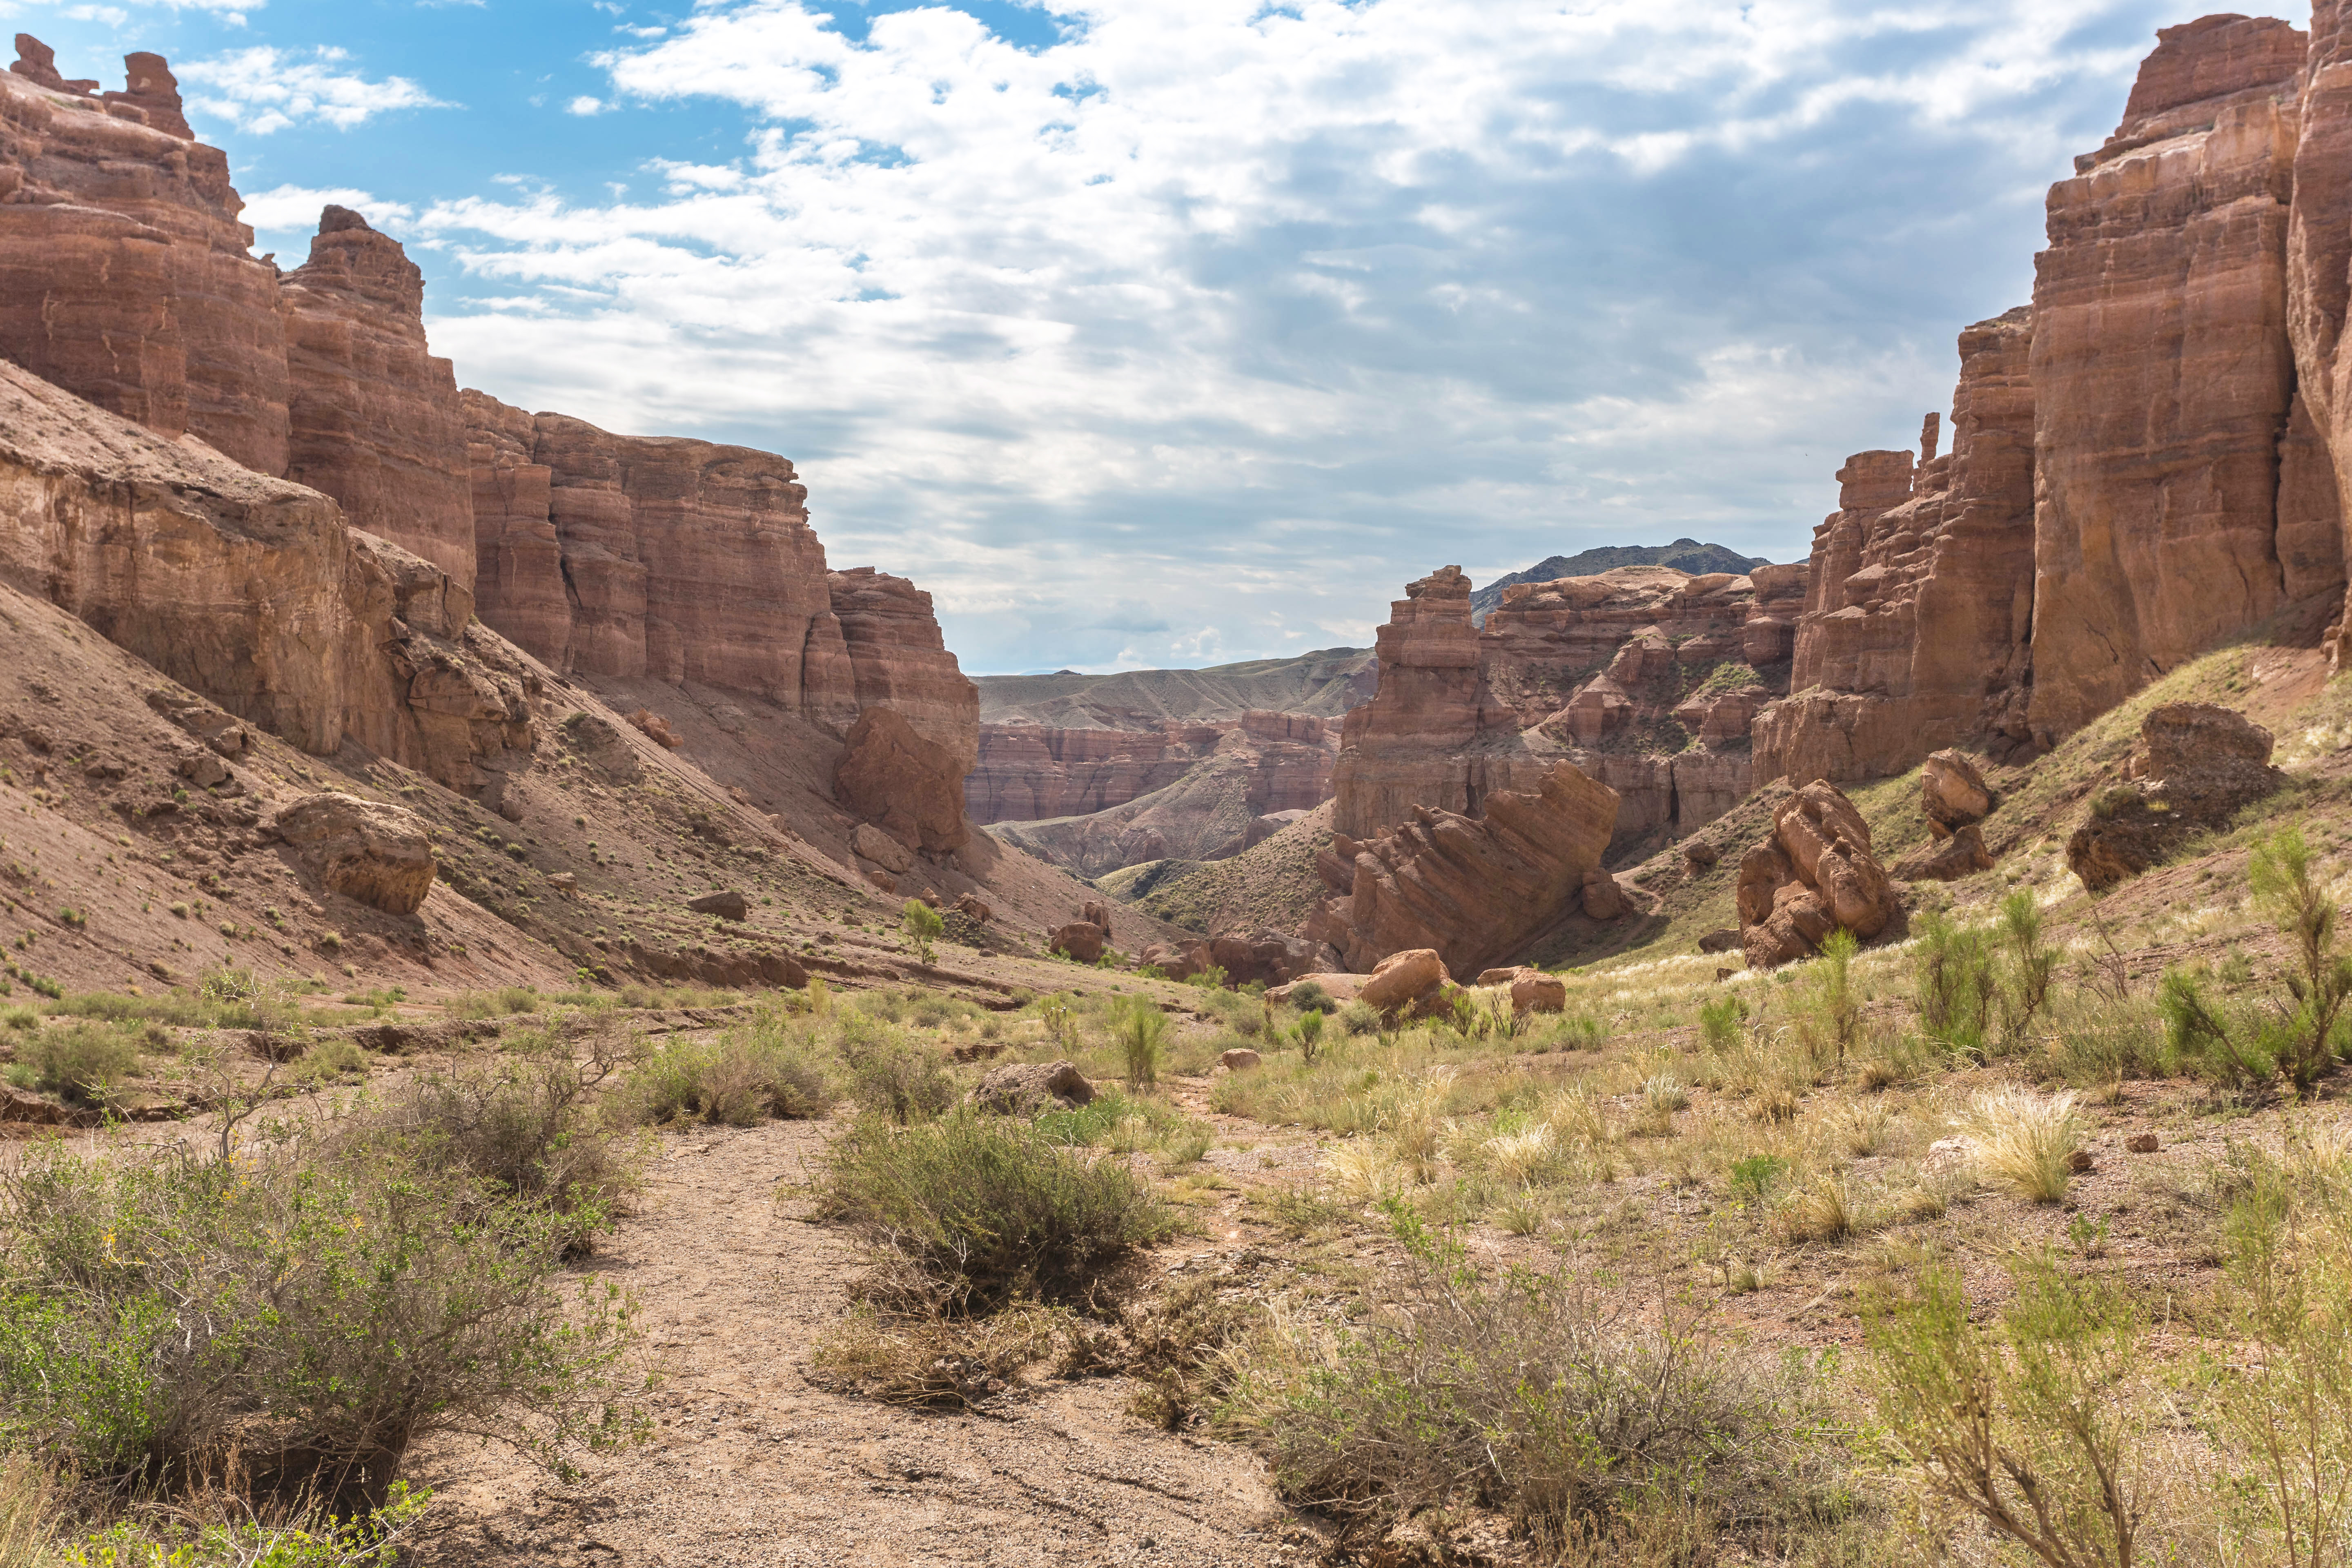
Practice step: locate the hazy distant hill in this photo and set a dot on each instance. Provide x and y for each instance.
(1685, 554)
(1327, 682)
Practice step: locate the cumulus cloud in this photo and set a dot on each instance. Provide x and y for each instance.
(1246, 315)
(264, 89)
(285, 210)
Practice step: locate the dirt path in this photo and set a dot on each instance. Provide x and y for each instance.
(751, 1464)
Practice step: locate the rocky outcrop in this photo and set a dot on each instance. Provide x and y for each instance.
(1812, 875)
(2197, 764)
(373, 418)
(1645, 678)
(1918, 611)
(2162, 374)
(125, 275)
(1024, 1089)
(1952, 793)
(1029, 772)
(908, 785)
(1959, 854)
(2182, 374)
(369, 850)
(251, 591)
(1474, 890)
(899, 659)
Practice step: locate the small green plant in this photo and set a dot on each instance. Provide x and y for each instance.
(1955, 983)
(80, 1063)
(1828, 1011)
(1308, 996)
(72, 917)
(1720, 1023)
(2020, 1426)
(1756, 1175)
(922, 925)
(1140, 1028)
(1308, 1033)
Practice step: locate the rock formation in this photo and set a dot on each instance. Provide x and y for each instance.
(124, 273)
(2146, 460)
(1811, 875)
(372, 416)
(1474, 890)
(364, 849)
(908, 785)
(1952, 793)
(1620, 674)
(2196, 764)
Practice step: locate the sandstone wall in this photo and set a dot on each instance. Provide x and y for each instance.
(373, 418)
(1029, 772)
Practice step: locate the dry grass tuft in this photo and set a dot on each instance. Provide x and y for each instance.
(2024, 1141)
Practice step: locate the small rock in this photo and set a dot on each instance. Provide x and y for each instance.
(1402, 977)
(1722, 941)
(1079, 940)
(202, 769)
(1238, 1060)
(104, 768)
(2142, 1143)
(727, 906)
(1701, 853)
(657, 727)
(1952, 794)
(564, 882)
(975, 907)
(1603, 898)
(2079, 1161)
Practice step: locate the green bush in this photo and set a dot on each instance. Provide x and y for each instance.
(1140, 1029)
(745, 1076)
(161, 1540)
(80, 1062)
(922, 925)
(892, 1075)
(1954, 983)
(291, 1322)
(1308, 996)
(1360, 1018)
(1720, 1023)
(970, 1212)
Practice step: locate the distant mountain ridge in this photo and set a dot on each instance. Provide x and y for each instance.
(1683, 554)
(1325, 683)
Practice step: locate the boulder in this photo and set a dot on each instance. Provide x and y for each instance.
(1722, 941)
(1269, 958)
(1176, 961)
(1813, 875)
(1962, 853)
(881, 849)
(728, 906)
(1079, 940)
(2196, 766)
(1096, 913)
(1402, 978)
(975, 907)
(1539, 993)
(1952, 793)
(365, 849)
(656, 727)
(1603, 898)
(565, 882)
(909, 787)
(1024, 1089)
(1240, 1059)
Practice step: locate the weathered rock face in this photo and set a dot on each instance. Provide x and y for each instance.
(1952, 793)
(124, 273)
(908, 785)
(1919, 609)
(1812, 875)
(365, 849)
(251, 591)
(2162, 375)
(1618, 673)
(374, 416)
(1473, 891)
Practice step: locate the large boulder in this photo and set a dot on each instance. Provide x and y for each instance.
(1269, 958)
(1024, 1089)
(1402, 979)
(1079, 940)
(2196, 766)
(365, 849)
(1952, 793)
(727, 905)
(1961, 853)
(1815, 874)
(909, 787)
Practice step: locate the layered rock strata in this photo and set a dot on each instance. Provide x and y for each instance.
(1647, 677)
(1028, 772)
(373, 415)
(1476, 891)
(2182, 373)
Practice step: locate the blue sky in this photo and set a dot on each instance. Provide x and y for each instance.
(1175, 331)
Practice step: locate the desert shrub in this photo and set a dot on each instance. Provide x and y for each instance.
(969, 1213)
(2018, 1424)
(167, 1537)
(80, 1062)
(745, 1076)
(2023, 1140)
(1211, 978)
(526, 1129)
(1307, 1034)
(934, 1364)
(1953, 983)
(1720, 1023)
(1360, 1018)
(2028, 964)
(1140, 1030)
(1530, 1393)
(922, 925)
(1754, 1176)
(1308, 996)
(1827, 1009)
(892, 1075)
(19, 1018)
(330, 1059)
(501, 1003)
(288, 1321)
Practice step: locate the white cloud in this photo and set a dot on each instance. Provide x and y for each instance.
(264, 89)
(294, 209)
(586, 105)
(1237, 317)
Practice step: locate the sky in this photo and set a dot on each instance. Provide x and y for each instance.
(1171, 332)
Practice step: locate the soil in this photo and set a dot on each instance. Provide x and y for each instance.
(752, 1462)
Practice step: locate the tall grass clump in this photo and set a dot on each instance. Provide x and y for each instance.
(1140, 1029)
(1953, 983)
(2024, 1141)
(747, 1075)
(2304, 1031)
(1530, 1393)
(79, 1063)
(890, 1075)
(2020, 1424)
(971, 1212)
